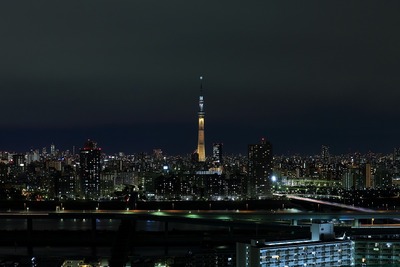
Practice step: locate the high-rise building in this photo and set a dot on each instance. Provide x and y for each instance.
(325, 156)
(260, 169)
(368, 176)
(201, 151)
(217, 152)
(382, 178)
(65, 186)
(157, 153)
(396, 155)
(33, 156)
(18, 160)
(52, 150)
(348, 181)
(90, 168)
(19, 164)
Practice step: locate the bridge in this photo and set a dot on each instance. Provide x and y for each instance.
(209, 217)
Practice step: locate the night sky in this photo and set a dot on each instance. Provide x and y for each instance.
(126, 74)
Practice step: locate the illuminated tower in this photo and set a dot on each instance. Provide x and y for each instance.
(201, 151)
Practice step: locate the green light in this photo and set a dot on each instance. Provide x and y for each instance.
(193, 216)
(224, 218)
(159, 213)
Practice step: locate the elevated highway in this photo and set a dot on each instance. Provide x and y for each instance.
(234, 217)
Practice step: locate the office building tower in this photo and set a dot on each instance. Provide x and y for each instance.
(107, 183)
(382, 178)
(90, 168)
(33, 156)
(217, 152)
(359, 178)
(18, 160)
(3, 173)
(5, 157)
(157, 154)
(260, 169)
(396, 155)
(201, 151)
(325, 156)
(65, 186)
(321, 250)
(44, 152)
(368, 176)
(348, 181)
(52, 150)
(19, 164)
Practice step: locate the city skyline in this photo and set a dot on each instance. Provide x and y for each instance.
(126, 74)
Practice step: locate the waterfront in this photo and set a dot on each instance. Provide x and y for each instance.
(101, 225)
(185, 236)
(52, 238)
(149, 242)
